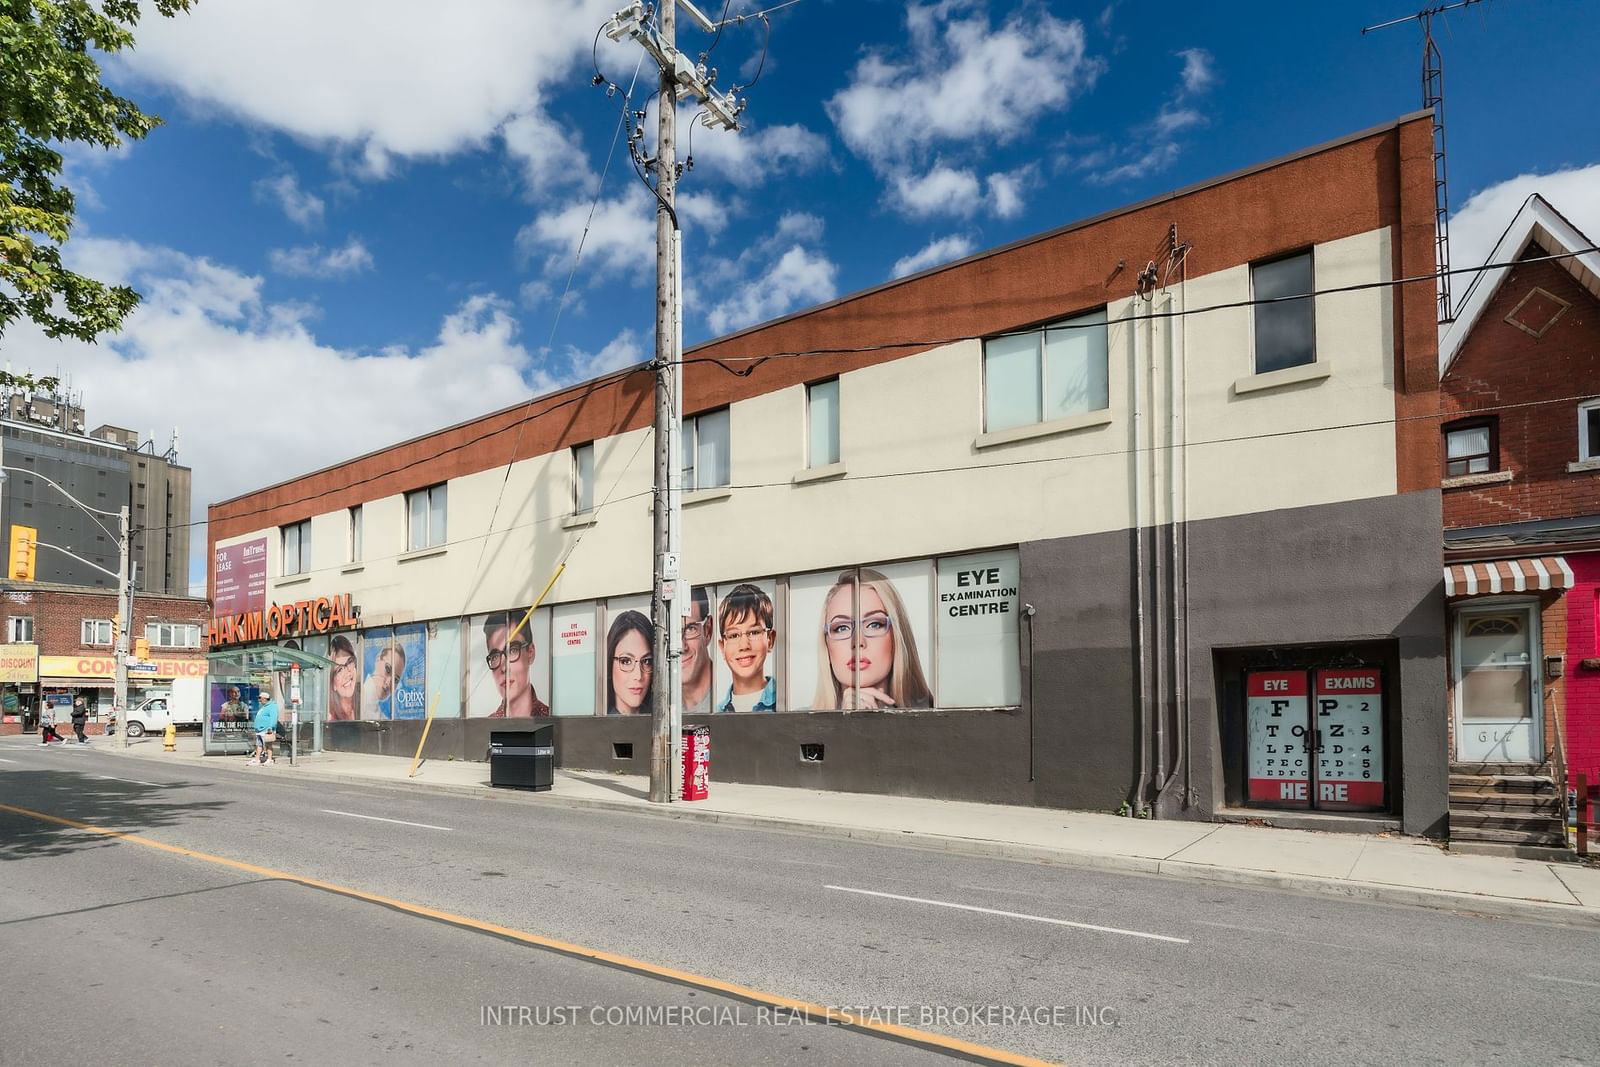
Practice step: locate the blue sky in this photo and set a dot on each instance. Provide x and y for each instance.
(358, 219)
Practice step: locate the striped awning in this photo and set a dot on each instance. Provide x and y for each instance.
(1507, 576)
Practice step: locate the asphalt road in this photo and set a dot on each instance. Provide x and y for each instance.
(145, 955)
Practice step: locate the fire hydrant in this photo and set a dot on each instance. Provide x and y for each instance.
(170, 740)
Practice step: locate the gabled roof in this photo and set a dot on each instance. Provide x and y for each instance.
(1536, 222)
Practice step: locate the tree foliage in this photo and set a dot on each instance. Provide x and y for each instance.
(51, 94)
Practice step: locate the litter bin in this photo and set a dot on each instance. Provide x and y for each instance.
(522, 759)
(696, 763)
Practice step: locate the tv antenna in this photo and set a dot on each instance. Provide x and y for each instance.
(1433, 97)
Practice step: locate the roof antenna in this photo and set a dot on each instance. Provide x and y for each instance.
(1433, 97)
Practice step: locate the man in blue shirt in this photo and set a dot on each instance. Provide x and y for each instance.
(266, 722)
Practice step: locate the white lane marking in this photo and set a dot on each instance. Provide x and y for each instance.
(1568, 981)
(7, 761)
(134, 781)
(379, 818)
(1011, 914)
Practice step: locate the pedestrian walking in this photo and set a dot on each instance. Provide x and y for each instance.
(266, 727)
(47, 726)
(80, 717)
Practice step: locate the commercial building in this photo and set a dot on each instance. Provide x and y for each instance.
(44, 441)
(1141, 513)
(58, 647)
(1520, 392)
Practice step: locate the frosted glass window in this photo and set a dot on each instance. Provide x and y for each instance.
(583, 478)
(1010, 381)
(426, 511)
(706, 460)
(1286, 334)
(1075, 379)
(822, 402)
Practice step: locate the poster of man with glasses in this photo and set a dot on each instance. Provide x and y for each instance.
(508, 670)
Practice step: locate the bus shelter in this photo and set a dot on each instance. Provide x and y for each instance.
(239, 679)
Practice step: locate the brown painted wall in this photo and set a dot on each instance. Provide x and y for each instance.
(1372, 180)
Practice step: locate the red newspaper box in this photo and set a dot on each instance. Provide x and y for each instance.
(696, 762)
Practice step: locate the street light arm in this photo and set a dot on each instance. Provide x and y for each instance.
(92, 512)
(80, 559)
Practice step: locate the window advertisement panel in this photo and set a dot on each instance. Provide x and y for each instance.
(979, 622)
(1349, 705)
(869, 629)
(572, 650)
(344, 677)
(628, 661)
(409, 658)
(699, 650)
(313, 683)
(508, 668)
(1279, 768)
(444, 668)
(744, 670)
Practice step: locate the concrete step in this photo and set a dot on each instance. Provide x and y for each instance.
(1544, 803)
(1542, 853)
(1503, 820)
(1538, 769)
(1480, 834)
(1501, 783)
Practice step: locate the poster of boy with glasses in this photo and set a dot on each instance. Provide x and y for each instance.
(745, 631)
(510, 686)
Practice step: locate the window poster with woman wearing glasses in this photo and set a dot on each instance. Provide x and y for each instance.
(744, 627)
(509, 664)
(630, 661)
(860, 638)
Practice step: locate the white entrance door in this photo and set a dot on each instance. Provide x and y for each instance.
(1497, 705)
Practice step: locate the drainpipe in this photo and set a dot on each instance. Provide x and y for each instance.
(1136, 380)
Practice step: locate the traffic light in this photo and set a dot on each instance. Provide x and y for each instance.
(24, 553)
(141, 649)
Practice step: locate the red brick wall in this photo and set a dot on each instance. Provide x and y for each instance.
(1501, 365)
(58, 618)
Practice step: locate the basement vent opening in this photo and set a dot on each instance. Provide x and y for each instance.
(811, 754)
(622, 750)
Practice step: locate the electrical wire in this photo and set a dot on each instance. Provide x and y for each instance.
(592, 386)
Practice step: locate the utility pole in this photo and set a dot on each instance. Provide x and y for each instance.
(119, 699)
(669, 595)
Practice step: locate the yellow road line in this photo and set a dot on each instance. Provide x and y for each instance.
(817, 1013)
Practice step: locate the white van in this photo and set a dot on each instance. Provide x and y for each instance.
(184, 704)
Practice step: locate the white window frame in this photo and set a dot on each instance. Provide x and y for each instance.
(93, 629)
(297, 561)
(1311, 305)
(832, 452)
(692, 466)
(172, 634)
(1040, 338)
(354, 520)
(1588, 444)
(436, 531)
(19, 629)
(583, 478)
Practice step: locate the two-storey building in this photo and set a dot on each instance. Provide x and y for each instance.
(1140, 513)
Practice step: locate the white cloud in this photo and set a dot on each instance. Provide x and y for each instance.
(771, 277)
(1478, 223)
(963, 80)
(303, 208)
(623, 350)
(377, 78)
(206, 337)
(548, 152)
(310, 261)
(621, 237)
(940, 191)
(1152, 146)
(1006, 189)
(752, 156)
(939, 250)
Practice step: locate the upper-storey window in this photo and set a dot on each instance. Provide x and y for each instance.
(425, 515)
(355, 521)
(1045, 374)
(1589, 431)
(583, 478)
(706, 459)
(1286, 329)
(19, 629)
(173, 634)
(97, 631)
(1471, 447)
(822, 423)
(297, 548)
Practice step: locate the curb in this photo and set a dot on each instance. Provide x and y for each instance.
(1184, 870)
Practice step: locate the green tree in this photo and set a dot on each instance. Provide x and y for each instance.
(51, 94)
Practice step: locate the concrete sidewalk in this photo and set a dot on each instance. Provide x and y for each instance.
(1396, 870)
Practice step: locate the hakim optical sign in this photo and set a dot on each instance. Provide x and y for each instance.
(297, 619)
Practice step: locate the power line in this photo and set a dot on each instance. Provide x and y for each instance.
(755, 361)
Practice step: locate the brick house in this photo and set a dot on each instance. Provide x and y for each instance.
(72, 629)
(1520, 452)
